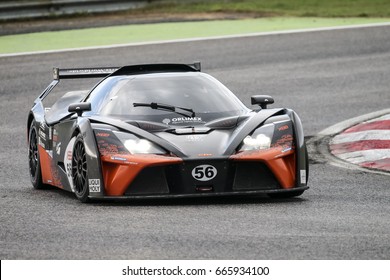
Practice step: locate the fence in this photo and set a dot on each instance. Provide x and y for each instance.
(40, 9)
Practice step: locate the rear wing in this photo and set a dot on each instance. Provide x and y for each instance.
(102, 72)
(76, 73)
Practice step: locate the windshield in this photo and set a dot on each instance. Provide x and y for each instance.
(208, 99)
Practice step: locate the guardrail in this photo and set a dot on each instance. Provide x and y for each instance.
(41, 9)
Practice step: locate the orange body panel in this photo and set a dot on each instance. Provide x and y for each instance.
(119, 171)
(282, 164)
(49, 173)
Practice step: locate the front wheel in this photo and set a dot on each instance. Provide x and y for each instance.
(79, 170)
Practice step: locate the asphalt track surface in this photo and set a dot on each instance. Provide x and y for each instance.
(327, 77)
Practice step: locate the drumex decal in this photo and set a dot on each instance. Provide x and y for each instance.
(182, 120)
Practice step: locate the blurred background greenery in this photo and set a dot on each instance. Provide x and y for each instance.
(301, 8)
(296, 8)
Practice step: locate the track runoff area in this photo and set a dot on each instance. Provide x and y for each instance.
(366, 144)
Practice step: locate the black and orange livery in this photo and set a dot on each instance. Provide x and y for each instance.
(163, 130)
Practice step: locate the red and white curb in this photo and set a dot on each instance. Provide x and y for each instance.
(366, 144)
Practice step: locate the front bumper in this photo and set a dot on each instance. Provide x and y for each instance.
(173, 177)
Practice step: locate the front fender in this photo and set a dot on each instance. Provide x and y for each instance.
(301, 151)
(94, 170)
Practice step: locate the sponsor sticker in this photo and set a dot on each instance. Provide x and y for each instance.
(58, 148)
(166, 121)
(102, 134)
(303, 176)
(94, 185)
(118, 158)
(69, 169)
(55, 135)
(186, 119)
(181, 120)
(42, 134)
(194, 138)
(284, 127)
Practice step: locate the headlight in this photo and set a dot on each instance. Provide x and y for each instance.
(259, 142)
(260, 139)
(278, 134)
(136, 145)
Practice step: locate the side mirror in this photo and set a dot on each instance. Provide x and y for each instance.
(262, 100)
(79, 108)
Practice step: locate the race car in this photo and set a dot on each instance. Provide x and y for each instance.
(162, 131)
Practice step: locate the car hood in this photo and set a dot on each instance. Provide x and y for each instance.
(218, 139)
(212, 143)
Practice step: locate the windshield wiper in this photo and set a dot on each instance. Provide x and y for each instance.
(187, 112)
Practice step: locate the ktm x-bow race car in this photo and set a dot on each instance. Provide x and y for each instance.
(162, 130)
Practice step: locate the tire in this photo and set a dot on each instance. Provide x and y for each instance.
(79, 170)
(33, 158)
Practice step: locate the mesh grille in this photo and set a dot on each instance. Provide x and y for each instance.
(254, 176)
(151, 180)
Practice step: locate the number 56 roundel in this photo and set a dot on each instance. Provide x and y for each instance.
(204, 172)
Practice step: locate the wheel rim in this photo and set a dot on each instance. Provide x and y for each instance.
(33, 153)
(79, 168)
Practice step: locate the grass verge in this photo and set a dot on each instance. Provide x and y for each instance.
(163, 31)
(295, 8)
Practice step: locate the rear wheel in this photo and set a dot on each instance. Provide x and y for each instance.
(79, 170)
(33, 158)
